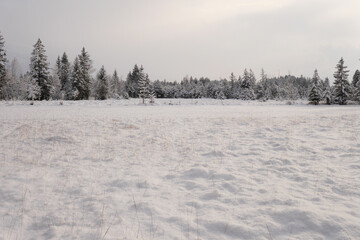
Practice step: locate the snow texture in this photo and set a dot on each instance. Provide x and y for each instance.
(179, 169)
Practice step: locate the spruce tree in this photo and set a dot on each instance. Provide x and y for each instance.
(85, 78)
(39, 70)
(14, 87)
(245, 79)
(356, 78)
(252, 79)
(326, 84)
(239, 90)
(327, 93)
(33, 90)
(114, 86)
(262, 92)
(143, 86)
(353, 85)
(101, 91)
(3, 62)
(357, 92)
(315, 91)
(152, 94)
(233, 87)
(58, 65)
(132, 82)
(72, 87)
(341, 84)
(247, 92)
(55, 85)
(328, 96)
(64, 72)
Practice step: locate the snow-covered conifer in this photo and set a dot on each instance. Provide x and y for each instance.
(3, 62)
(64, 72)
(357, 92)
(15, 87)
(247, 92)
(262, 90)
(353, 86)
(58, 65)
(114, 86)
(327, 93)
(132, 82)
(237, 93)
(84, 83)
(33, 89)
(233, 86)
(328, 96)
(341, 84)
(245, 79)
(101, 91)
(73, 86)
(220, 95)
(152, 94)
(252, 79)
(356, 78)
(39, 70)
(326, 84)
(315, 91)
(143, 86)
(55, 84)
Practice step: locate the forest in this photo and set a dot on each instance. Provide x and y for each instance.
(75, 81)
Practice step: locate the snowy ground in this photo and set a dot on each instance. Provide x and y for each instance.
(196, 169)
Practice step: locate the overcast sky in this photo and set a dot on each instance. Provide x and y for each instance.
(175, 38)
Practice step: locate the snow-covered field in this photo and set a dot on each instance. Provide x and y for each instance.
(195, 169)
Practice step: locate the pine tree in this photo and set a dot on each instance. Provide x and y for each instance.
(356, 78)
(33, 90)
(341, 83)
(245, 79)
(58, 65)
(152, 94)
(64, 71)
(252, 79)
(238, 89)
(55, 85)
(114, 86)
(326, 84)
(262, 91)
(102, 85)
(247, 92)
(315, 91)
(220, 95)
(233, 87)
(39, 70)
(73, 87)
(132, 82)
(3, 62)
(357, 91)
(353, 85)
(143, 86)
(327, 94)
(14, 88)
(85, 78)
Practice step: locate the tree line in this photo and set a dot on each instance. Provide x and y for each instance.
(74, 81)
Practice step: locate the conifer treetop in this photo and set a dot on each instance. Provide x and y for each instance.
(3, 62)
(341, 84)
(39, 69)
